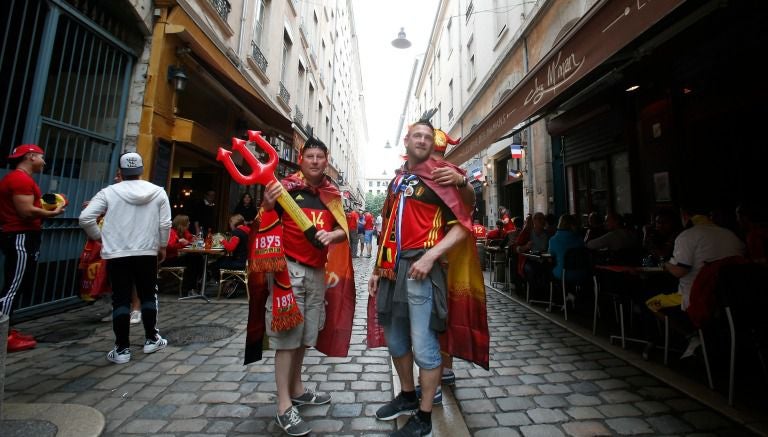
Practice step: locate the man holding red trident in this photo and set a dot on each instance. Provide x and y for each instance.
(426, 224)
(309, 252)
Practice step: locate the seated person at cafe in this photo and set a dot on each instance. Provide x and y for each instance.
(236, 246)
(595, 227)
(617, 239)
(511, 237)
(659, 237)
(566, 237)
(179, 238)
(479, 230)
(702, 243)
(496, 235)
(534, 239)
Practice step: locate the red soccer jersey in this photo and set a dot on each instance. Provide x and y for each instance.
(18, 182)
(352, 218)
(295, 243)
(479, 230)
(425, 218)
(368, 221)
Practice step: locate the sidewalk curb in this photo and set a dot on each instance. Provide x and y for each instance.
(447, 419)
(72, 420)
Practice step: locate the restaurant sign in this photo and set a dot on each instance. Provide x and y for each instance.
(601, 33)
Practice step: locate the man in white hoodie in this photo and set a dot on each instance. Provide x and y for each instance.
(134, 236)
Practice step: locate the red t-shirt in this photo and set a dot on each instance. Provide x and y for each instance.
(352, 218)
(368, 221)
(295, 243)
(479, 230)
(18, 182)
(425, 218)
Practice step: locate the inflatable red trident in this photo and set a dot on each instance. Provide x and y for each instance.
(263, 174)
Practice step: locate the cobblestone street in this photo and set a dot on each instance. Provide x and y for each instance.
(543, 380)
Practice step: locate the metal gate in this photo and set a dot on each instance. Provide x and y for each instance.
(67, 82)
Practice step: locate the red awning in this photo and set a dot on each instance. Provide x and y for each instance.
(602, 32)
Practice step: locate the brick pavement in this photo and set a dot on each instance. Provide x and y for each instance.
(543, 381)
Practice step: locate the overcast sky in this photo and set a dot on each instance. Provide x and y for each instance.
(387, 71)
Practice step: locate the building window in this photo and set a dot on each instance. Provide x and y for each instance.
(258, 21)
(471, 73)
(500, 15)
(470, 9)
(450, 100)
(286, 58)
(449, 37)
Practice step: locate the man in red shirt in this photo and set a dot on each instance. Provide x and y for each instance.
(306, 265)
(21, 215)
(369, 226)
(352, 218)
(423, 222)
(479, 230)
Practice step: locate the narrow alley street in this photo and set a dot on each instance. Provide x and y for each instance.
(543, 380)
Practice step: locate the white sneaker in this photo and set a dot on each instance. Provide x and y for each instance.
(693, 344)
(135, 317)
(119, 357)
(156, 345)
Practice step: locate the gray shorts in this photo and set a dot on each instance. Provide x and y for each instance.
(309, 289)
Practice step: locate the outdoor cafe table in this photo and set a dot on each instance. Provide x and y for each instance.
(205, 253)
(639, 272)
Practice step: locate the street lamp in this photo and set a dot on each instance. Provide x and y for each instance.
(178, 77)
(401, 42)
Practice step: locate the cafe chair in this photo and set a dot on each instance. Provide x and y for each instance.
(577, 270)
(234, 277)
(742, 293)
(176, 272)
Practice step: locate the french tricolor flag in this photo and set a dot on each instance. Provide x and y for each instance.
(477, 174)
(516, 150)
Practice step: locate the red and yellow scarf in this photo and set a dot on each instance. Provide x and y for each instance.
(467, 334)
(267, 256)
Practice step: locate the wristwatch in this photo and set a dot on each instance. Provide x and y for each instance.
(463, 183)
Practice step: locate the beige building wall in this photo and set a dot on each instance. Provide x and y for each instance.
(302, 58)
(478, 52)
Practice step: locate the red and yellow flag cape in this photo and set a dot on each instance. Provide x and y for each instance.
(467, 334)
(334, 339)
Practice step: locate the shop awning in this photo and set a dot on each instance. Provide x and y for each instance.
(602, 32)
(219, 66)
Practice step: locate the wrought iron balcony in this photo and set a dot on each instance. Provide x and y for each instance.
(298, 116)
(222, 7)
(283, 94)
(259, 57)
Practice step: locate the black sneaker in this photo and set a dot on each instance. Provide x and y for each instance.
(415, 427)
(397, 407)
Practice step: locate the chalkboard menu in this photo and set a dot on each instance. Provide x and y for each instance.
(162, 165)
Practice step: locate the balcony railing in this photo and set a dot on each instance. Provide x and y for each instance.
(284, 95)
(259, 58)
(222, 8)
(298, 116)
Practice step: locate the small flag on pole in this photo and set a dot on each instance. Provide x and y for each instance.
(515, 174)
(477, 174)
(517, 151)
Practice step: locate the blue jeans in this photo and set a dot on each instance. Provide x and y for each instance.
(414, 332)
